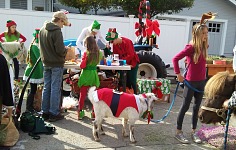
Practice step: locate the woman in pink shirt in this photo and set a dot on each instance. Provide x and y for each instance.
(196, 54)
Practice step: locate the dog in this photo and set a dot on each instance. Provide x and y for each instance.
(109, 103)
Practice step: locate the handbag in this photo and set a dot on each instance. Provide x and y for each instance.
(34, 124)
(9, 135)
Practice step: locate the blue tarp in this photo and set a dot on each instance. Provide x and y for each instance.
(70, 41)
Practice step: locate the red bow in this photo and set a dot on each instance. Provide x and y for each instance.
(156, 90)
(140, 27)
(152, 26)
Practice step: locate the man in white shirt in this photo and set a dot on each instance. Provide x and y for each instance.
(92, 30)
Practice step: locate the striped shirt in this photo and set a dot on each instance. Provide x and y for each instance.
(232, 100)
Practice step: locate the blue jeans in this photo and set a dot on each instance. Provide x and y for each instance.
(52, 90)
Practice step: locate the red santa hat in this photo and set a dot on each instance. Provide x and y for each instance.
(10, 23)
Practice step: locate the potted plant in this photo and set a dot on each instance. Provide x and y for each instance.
(229, 61)
(209, 60)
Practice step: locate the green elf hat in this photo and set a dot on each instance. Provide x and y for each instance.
(36, 35)
(95, 26)
(112, 34)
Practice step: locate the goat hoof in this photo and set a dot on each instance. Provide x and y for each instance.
(125, 135)
(133, 141)
(97, 140)
(103, 133)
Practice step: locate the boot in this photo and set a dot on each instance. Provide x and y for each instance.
(30, 102)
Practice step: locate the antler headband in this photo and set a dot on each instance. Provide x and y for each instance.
(205, 18)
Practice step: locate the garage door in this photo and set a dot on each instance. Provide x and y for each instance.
(214, 36)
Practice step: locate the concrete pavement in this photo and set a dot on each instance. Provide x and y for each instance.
(74, 134)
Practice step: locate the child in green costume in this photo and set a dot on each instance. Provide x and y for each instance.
(89, 76)
(37, 76)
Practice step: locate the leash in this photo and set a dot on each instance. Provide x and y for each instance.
(191, 87)
(227, 127)
(172, 104)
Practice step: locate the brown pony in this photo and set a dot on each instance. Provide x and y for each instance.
(218, 89)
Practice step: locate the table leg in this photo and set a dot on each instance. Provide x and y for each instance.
(124, 79)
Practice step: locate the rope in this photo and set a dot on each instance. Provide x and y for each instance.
(227, 127)
(172, 104)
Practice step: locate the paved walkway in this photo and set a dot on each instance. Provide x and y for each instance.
(74, 134)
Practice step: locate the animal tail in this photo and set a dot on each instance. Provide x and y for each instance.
(91, 94)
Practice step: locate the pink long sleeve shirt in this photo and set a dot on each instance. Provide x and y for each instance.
(196, 72)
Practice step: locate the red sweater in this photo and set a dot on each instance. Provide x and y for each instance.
(126, 51)
(2, 36)
(196, 72)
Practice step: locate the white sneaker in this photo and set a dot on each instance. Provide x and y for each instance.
(195, 138)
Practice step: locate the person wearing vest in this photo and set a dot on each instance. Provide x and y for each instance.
(89, 76)
(37, 76)
(12, 35)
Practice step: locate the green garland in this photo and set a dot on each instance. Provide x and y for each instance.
(145, 114)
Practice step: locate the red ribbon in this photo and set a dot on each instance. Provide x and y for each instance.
(141, 29)
(152, 26)
(157, 91)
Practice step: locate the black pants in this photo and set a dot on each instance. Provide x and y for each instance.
(131, 81)
(5, 83)
(33, 88)
(188, 95)
(16, 67)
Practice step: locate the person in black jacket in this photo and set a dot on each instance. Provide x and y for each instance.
(6, 97)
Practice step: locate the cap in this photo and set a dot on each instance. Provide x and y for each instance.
(62, 15)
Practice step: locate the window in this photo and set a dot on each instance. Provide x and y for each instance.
(41, 5)
(38, 5)
(18, 4)
(2, 3)
(214, 27)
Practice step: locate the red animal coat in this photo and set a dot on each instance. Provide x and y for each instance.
(118, 102)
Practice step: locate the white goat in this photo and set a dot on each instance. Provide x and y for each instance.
(14, 49)
(108, 103)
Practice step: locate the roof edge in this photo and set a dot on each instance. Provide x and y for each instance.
(233, 1)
